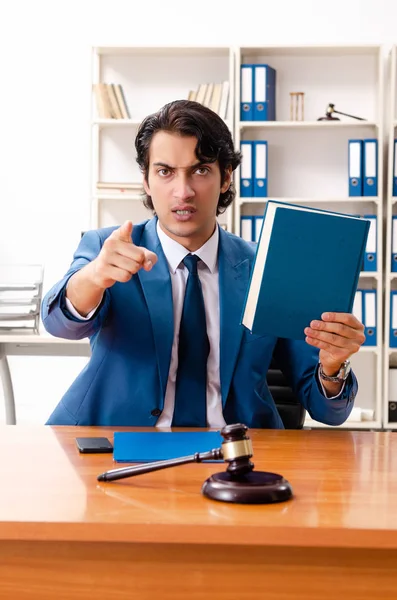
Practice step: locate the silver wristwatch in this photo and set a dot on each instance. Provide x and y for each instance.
(340, 377)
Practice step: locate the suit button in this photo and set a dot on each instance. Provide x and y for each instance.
(156, 412)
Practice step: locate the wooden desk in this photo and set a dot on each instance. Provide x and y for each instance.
(63, 535)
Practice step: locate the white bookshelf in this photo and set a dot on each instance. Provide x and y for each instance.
(390, 354)
(308, 160)
(150, 77)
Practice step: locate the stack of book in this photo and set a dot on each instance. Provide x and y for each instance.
(20, 297)
(213, 95)
(110, 101)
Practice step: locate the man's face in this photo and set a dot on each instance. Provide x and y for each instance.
(184, 192)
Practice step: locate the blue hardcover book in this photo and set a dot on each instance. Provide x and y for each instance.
(307, 262)
(148, 446)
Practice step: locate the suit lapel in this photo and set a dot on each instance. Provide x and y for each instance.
(233, 284)
(156, 285)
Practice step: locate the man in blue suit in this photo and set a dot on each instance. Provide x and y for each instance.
(161, 302)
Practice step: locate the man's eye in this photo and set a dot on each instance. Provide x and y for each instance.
(202, 170)
(164, 172)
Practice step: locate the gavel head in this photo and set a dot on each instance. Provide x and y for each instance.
(237, 449)
(330, 109)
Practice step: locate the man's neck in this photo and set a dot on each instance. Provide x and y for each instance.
(190, 243)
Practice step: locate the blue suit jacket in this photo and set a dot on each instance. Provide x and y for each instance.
(131, 337)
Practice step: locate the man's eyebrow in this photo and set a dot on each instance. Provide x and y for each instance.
(161, 164)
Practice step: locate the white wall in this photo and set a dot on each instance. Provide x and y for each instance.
(45, 108)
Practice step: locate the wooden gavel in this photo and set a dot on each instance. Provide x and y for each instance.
(239, 483)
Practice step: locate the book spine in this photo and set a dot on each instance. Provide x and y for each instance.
(354, 288)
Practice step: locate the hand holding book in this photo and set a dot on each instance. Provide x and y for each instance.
(338, 335)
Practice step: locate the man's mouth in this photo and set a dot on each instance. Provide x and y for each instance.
(185, 213)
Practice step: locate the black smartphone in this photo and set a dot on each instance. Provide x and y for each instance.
(91, 445)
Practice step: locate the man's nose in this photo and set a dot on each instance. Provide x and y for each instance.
(183, 189)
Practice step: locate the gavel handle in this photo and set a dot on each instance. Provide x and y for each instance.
(123, 472)
(347, 115)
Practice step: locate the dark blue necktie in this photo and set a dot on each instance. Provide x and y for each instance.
(191, 380)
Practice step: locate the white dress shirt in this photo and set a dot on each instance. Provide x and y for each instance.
(208, 275)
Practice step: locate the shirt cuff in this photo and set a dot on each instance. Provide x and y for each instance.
(74, 312)
(324, 390)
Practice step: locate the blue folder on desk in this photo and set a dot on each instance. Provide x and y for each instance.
(148, 446)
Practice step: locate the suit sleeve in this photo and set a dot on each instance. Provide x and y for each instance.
(57, 319)
(299, 363)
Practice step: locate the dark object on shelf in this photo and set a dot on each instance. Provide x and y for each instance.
(331, 110)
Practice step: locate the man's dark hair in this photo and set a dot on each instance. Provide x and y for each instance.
(187, 118)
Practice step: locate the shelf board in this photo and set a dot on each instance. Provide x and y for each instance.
(311, 50)
(305, 124)
(369, 275)
(164, 51)
(256, 200)
(116, 122)
(121, 196)
(373, 349)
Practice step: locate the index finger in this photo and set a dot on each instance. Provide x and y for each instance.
(124, 232)
(150, 259)
(345, 318)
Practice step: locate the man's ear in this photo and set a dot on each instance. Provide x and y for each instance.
(228, 178)
(146, 186)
